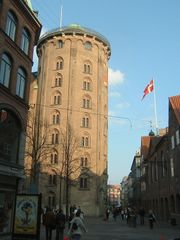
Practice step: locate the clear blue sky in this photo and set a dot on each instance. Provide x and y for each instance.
(145, 43)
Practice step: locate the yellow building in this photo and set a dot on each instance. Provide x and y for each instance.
(72, 98)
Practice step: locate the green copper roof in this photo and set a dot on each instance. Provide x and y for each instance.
(74, 28)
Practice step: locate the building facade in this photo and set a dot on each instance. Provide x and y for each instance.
(72, 98)
(160, 168)
(134, 200)
(113, 195)
(19, 32)
(174, 156)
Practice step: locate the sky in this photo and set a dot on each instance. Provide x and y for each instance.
(145, 43)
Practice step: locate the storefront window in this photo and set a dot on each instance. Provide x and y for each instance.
(6, 211)
(9, 136)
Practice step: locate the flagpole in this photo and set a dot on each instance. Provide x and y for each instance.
(155, 110)
(61, 14)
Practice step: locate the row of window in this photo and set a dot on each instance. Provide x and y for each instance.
(11, 31)
(84, 161)
(158, 169)
(155, 171)
(55, 139)
(84, 184)
(85, 120)
(83, 181)
(87, 84)
(87, 44)
(6, 72)
(60, 66)
(86, 101)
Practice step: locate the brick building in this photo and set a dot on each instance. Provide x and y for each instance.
(19, 32)
(160, 168)
(113, 195)
(72, 96)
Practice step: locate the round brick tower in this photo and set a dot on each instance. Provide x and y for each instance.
(73, 97)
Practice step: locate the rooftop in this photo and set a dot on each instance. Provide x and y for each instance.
(74, 29)
(175, 103)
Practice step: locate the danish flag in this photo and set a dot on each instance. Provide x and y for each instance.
(149, 88)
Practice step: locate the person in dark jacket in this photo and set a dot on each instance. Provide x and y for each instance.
(151, 218)
(141, 214)
(60, 225)
(49, 221)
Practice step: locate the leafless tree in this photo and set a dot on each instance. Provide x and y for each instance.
(37, 148)
(70, 168)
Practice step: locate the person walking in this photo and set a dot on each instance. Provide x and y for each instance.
(60, 225)
(141, 215)
(151, 218)
(107, 214)
(77, 227)
(49, 221)
(128, 217)
(122, 214)
(115, 213)
(133, 217)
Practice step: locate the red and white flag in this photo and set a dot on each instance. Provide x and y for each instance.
(149, 88)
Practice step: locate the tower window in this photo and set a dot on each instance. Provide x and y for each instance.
(59, 44)
(88, 45)
(85, 122)
(86, 103)
(59, 64)
(55, 138)
(87, 68)
(57, 99)
(86, 85)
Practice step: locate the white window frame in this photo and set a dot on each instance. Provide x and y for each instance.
(20, 85)
(5, 70)
(11, 25)
(25, 41)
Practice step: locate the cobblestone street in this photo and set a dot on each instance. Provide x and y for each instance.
(101, 230)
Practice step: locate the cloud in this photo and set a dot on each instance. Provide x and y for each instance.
(115, 77)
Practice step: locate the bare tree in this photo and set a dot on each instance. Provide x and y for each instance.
(37, 149)
(70, 168)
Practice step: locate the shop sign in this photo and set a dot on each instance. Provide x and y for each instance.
(27, 216)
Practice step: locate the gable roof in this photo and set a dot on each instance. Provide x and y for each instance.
(175, 103)
(145, 145)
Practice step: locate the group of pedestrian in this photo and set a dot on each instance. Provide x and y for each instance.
(131, 214)
(56, 220)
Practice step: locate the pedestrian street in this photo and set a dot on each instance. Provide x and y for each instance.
(111, 230)
(98, 229)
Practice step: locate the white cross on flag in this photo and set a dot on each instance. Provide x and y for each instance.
(149, 88)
